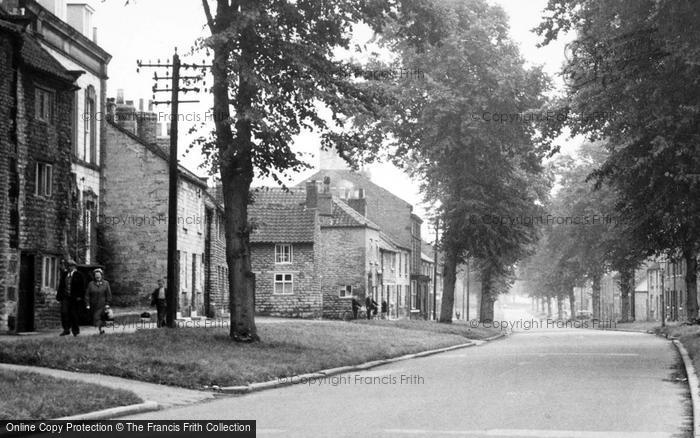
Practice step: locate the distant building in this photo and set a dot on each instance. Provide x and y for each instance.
(36, 102)
(312, 252)
(392, 215)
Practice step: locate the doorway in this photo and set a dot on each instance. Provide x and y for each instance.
(25, 303)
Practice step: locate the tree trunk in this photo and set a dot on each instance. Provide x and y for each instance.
(572, 303)
(486, 301)
(595, 297)
(449, 278)
(560, 307)
(691, 283)
(633, 298)
(625, 286)
(235, 162)
(549, 306)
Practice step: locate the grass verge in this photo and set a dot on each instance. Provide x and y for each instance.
(458, 328)
(195, 357)
(32, 396)
(689, 335)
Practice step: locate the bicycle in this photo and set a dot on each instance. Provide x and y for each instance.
(349, 316)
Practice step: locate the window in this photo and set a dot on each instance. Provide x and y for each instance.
(345, 292)
(90, 126)
(194, 271)
(414, 295)
(43, 179)
(283, 284)
(44, 105)
(283, 253)
(49, 273)
(400, 263)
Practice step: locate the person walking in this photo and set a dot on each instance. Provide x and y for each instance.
(71, 291)
(158, 300)
(98, 296)
(355, 306)
(371, 306)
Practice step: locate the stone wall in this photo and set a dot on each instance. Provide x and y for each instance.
(305, 301)
(135, 222)
(343, 263)
(7, 146)
(216, 268)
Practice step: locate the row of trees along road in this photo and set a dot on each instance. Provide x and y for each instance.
(633, 75)
(275, 74)
(585, 238)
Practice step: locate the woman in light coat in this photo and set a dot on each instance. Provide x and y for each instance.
(98, 295)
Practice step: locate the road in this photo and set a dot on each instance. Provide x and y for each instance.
(535, 383)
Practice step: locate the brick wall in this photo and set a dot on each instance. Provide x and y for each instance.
(305, 301)
(343, 262)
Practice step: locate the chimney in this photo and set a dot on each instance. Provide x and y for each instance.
(147, 125)
(311, 194)
(111, 108)
(325, 198)
(359, 205)
(125, 117)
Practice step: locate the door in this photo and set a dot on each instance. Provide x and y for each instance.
(25, 304)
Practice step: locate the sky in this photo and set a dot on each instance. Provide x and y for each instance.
(151, 29)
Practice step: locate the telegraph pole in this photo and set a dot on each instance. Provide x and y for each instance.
(173, 284)
(435, 268)
(468, 269)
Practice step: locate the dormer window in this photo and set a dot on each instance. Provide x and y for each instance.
(283, 253)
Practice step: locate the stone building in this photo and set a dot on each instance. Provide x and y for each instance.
(312, 252)
(216, 291)
(392, 215)
(135, 208)
(36, 99)
(66, 32)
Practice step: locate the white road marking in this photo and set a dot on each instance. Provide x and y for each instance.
(454, 356)
(530, 433)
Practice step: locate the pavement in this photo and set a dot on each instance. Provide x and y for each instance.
(536, 383)
(165, 396)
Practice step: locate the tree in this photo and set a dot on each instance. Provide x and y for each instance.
(481, 175)
(633, 81)
(273, 74)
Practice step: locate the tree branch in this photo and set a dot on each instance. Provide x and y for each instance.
(207, 12)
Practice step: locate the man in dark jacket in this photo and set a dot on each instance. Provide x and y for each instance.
(371, 306)
(71, 291)
(355, 307)
(158, 300)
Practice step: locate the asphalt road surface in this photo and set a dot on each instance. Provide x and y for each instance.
(554, 382)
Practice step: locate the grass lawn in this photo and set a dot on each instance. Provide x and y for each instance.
(31, 396)
(689, 335)
(195, 357)
(459, 328)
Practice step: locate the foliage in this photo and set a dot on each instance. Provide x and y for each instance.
(483, 177)
(634, 77)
